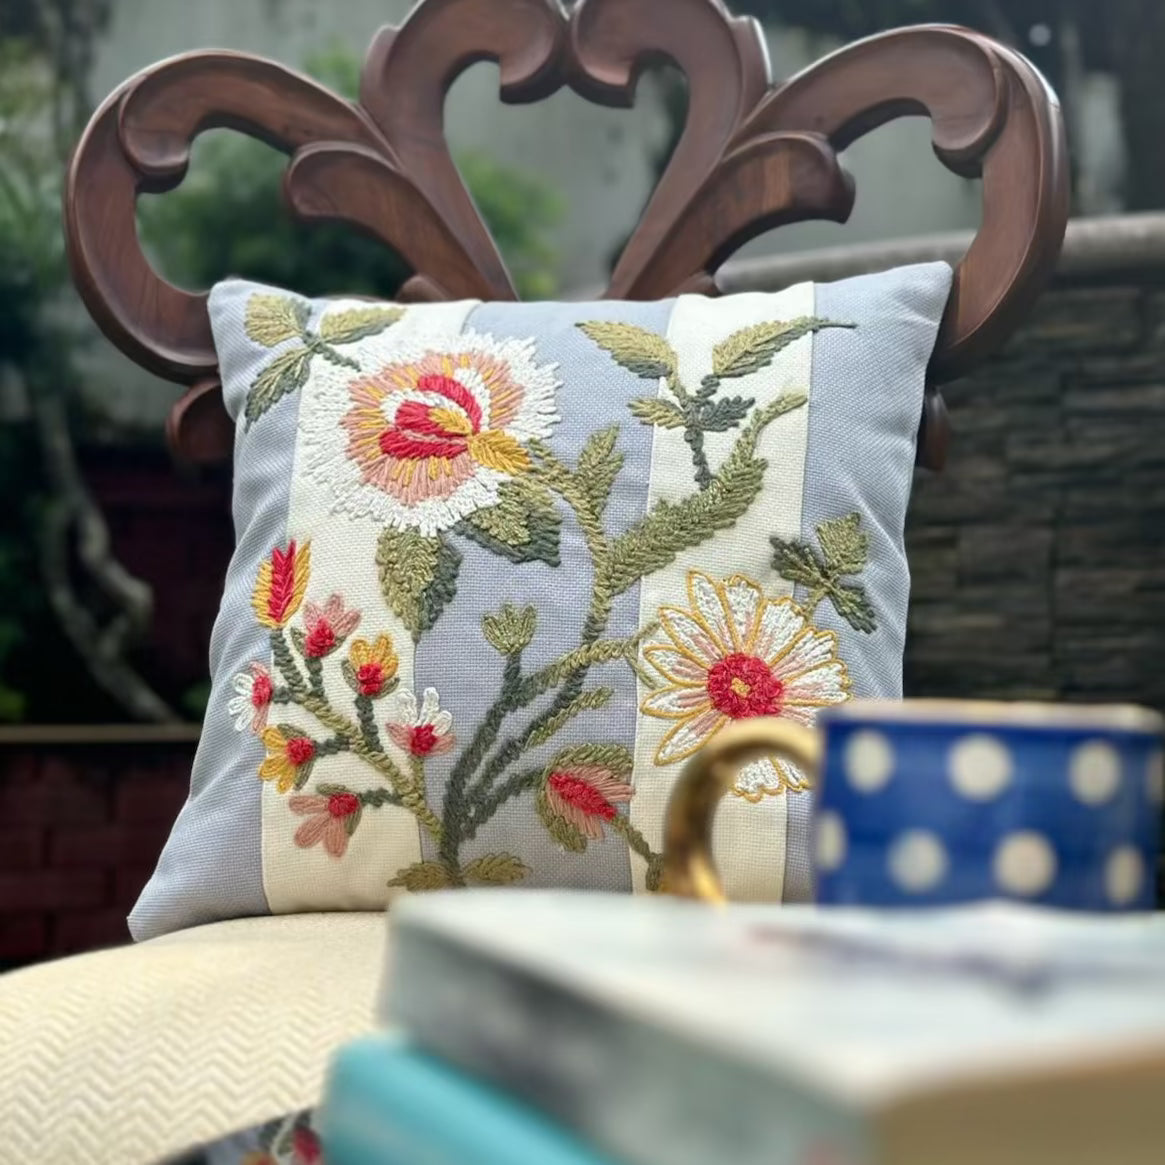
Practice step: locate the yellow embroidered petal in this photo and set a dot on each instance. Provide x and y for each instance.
(499, 451)
(302, 572)
(261, 595)
(451, 420)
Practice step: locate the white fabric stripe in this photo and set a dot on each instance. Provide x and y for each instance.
(749, 837)
(343, 561)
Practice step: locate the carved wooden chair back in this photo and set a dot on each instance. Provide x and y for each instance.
(752, 156)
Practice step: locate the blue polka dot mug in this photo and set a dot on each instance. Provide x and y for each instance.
(929, 802)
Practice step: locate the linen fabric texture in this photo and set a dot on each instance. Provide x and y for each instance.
(500, 568)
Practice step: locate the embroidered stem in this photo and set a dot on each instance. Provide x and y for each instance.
(367, 720)
(375, 798)
(637, 842)
(454, 813)
(315, 672)
(478, 814)
(287, 666)
(321, 348)
(411, 797)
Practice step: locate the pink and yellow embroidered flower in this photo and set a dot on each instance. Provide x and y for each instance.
(423, 733)
(331, 818)
(737, 654)
(280, 586)
(252, 701)
(373, 665)
(327, 626)
(289, 758)
(432, 435)
(585, 795)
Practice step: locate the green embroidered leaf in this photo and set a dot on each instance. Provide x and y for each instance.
(614, 757)
(418, 576)
(845, 551)
(299, 639)
(285, 374)
(726, 413)
(654, 410)
(598, 466)
(524, 526)
(346, 327)
(845, 546)
(423, 876)
(584, 702)
(639, 351)
(655, 878)
(753, 348)
(854, 606)
(670, 527)
(511, 629)
(496, 870)
(567, 835)
(796, 562)
(271, 319)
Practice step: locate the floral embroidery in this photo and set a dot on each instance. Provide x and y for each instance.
(290, 756)
(370, 669)
(331, 819)
(424, 733)
(445, 443)
(281, 584)
(252, 700)
(327, 626)
(272, 320)
(736, 654)
(429, 439)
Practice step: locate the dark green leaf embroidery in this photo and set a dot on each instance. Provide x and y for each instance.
(496, 870)
(670, 527)
(559, 828)
(285, 374)
(524, 526)
(639, 351)
(418, 576)
(753, 348)
(724, 414)
(589, 701)
(845, 550)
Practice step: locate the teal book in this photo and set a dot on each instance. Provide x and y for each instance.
(388, 1104)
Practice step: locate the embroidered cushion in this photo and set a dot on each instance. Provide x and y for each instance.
(502, 567)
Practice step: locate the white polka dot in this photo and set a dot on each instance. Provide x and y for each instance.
(1155, 778)
(980, 767)
(1025, 863)
(917, 861)
(1094, 772)
(869, 761)
(831, 841)
(1124, 875)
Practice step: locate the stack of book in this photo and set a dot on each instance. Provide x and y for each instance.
(541, 1028)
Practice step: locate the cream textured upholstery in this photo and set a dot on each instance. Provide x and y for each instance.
(128, 1055)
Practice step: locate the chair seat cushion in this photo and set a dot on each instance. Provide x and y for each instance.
(131, 1054)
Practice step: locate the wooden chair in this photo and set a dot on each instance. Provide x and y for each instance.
(128, 1054)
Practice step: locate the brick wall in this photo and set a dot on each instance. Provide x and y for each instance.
(83, 816)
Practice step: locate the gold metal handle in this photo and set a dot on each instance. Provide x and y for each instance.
(688, 868)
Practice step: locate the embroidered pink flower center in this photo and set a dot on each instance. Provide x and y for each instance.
(343, 804)
(423, 740)
(742, 685)
(300, 750)
(261, 691)
(320, 639)
(370, 677)
(423, 430)
(581, 795)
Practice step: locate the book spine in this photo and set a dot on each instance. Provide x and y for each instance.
(387, 1104)
(640, 1092)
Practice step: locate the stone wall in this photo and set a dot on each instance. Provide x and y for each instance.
(1037, 556)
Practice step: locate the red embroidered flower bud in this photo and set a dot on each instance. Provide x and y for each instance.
(370, 677)
(423, 741)
(582, 795)
(261, 690)
(300, 750)
(343, 804)
(320, 639)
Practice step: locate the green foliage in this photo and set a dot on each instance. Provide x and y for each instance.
(228, 217)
